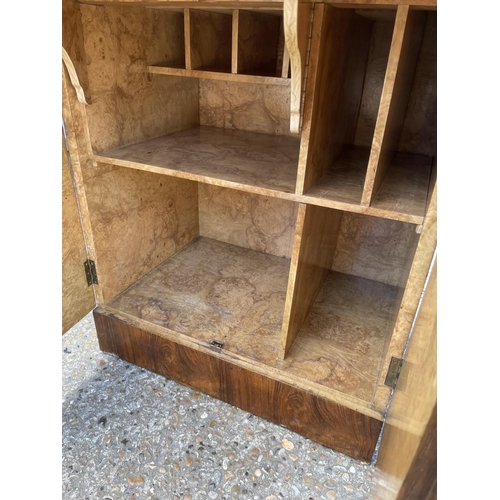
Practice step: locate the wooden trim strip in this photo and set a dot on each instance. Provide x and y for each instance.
(214, 75)
(234, 44)
(187, 37)
(73, 77)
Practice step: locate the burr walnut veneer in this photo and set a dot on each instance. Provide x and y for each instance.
(256, 187)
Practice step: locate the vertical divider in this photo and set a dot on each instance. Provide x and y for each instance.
(296, 17)
(338, 56)
(405, 46)
(187, 37)
(234, 43)
(316, 235)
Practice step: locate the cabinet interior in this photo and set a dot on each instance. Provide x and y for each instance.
(211, 221)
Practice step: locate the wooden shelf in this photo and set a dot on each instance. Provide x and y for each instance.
(404, 191)
(258, 163)
(212, 290)
(219, 75)
(341, 343)
(345, 179)
(406, 186)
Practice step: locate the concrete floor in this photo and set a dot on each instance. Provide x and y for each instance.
(131, 434)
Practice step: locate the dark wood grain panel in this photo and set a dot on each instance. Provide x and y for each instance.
(314, 417)
(160, 355)
(258, 36)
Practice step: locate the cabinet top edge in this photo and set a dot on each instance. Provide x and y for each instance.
(270, 4)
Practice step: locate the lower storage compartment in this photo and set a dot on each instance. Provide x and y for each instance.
(216, 373)
(216, 293)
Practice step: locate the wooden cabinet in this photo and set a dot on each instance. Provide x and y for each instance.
(257, 191)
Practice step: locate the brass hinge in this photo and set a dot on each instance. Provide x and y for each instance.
(392, 376)
(90, 272)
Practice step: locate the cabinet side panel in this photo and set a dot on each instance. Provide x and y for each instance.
(247, 220)
(413, 405)
(411, 297)
(72, 41)
(77, 296)
(139, 219)
(128, 103)
(244, 106)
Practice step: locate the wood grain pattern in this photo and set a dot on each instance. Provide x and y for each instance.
(74, 115)
(344, 180)
(207, 153)
(215, 291)
(77, 296)
(187, 39)
(342, 340)
(246, 107)
(250, 221)
(243, 106)
(407, 37)
(339, 52)
(266, 4)
(234, 41)
(210, 40)
(419, 131)
(421, 480)
(212, 75)
(72, 41)
(128, 103)
(376, 249)
(211, 290)
(146, 219)
(413, 407)
(313, 248)
(317, 418)
(413, 290)
(258, 37)
(296, 21)
(376, 67)
(406, 185)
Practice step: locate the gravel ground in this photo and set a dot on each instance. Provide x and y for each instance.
(129, 434)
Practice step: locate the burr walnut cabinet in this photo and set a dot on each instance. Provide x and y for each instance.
(255, 198)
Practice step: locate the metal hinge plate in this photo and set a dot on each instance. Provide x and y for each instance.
(90, 272)
(392, 376)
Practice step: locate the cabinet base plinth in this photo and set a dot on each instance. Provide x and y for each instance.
(314, 417)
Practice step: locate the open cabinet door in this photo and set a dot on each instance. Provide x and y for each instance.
(77, 295)
(407, 461)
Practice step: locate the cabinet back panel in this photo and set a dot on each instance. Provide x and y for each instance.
(375, 249)
(244, 106)
(374, 79)
(247, 220)
(127, 103)
(258, 36)
(419, 133)
(138, 220)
